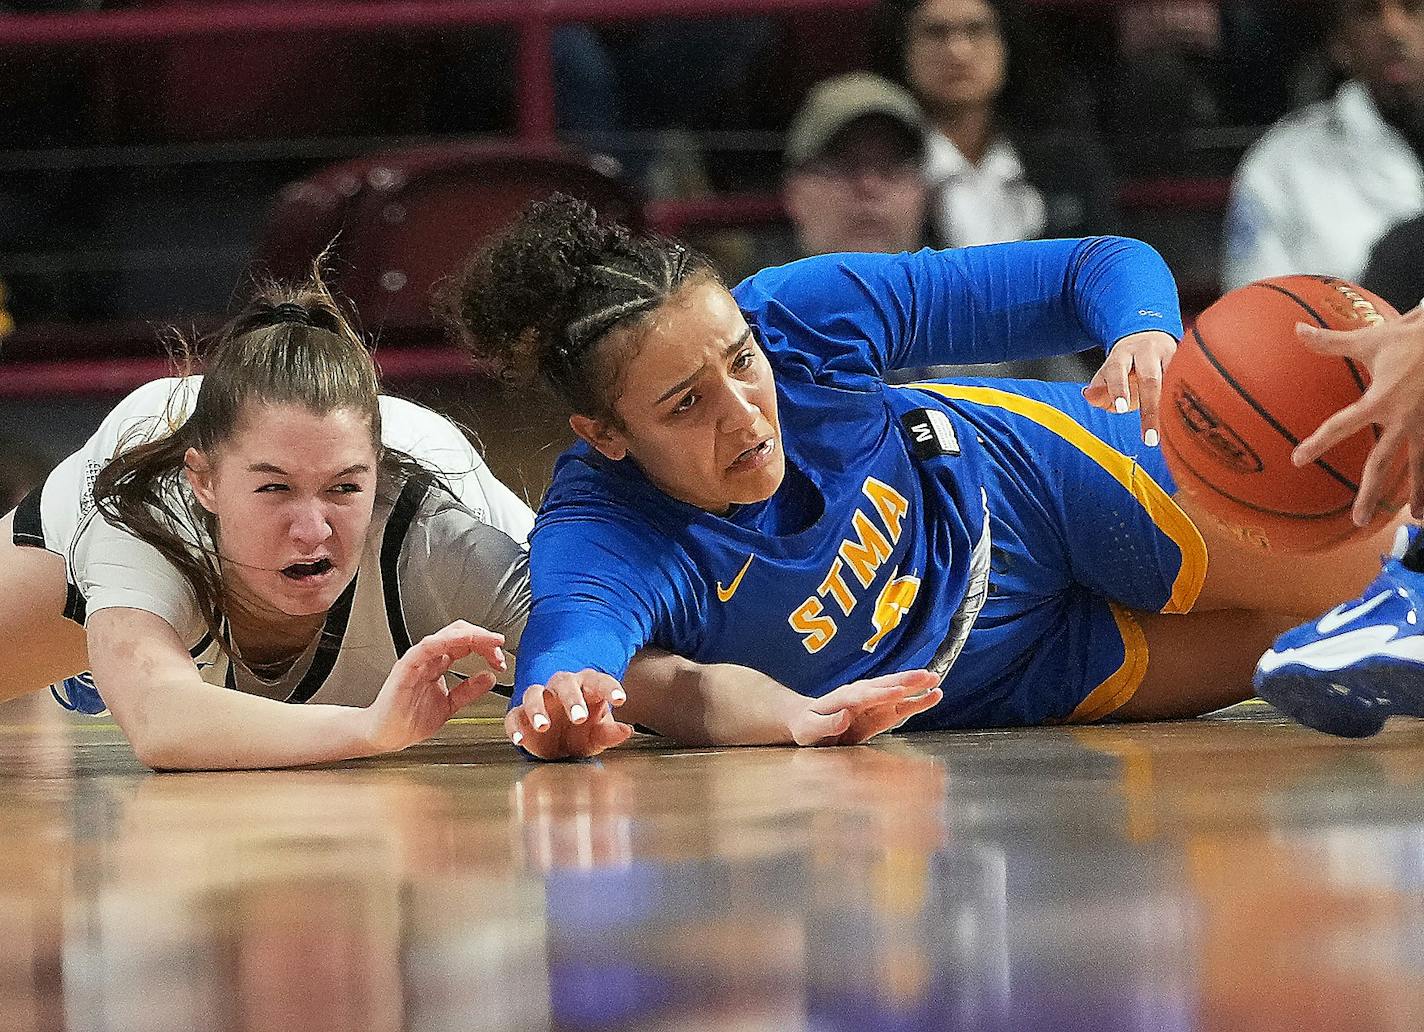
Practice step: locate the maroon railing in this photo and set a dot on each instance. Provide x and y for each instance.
(532, 20)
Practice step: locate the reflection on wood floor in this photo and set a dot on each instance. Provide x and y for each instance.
(1218, 874)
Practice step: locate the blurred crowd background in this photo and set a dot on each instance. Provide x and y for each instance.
(155, 155)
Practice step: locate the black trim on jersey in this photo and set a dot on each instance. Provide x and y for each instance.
(28, 532)
(392, 541)
(203, 644)
(328, 649)
(29, 528)
(75, 608)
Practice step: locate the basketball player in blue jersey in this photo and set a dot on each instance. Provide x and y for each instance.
(749, 489)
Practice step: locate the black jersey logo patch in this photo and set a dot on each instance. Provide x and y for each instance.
(931, 433)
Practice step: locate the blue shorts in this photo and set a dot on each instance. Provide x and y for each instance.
(1083, 531)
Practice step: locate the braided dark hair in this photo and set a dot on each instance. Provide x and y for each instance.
(537, 301)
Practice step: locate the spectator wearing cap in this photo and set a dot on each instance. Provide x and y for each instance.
(1324, 184)
(854, 179)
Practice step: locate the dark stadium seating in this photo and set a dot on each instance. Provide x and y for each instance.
(408, 219)
(196, 81)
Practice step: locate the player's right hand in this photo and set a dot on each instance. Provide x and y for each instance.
(857, 712)
(571, 717)
(1393, 351)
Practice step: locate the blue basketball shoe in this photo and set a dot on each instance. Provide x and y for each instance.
(78, 695)
(1363, 661)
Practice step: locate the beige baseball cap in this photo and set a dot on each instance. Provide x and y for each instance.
(834, 104)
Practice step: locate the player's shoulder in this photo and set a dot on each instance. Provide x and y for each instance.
(171, 396)
(812, 276)
(608, 500)
(431, 438)
(402, 419)
(445, 530)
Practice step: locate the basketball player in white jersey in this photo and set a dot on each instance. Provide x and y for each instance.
(273, 528)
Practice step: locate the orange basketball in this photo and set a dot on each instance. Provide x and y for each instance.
(1243, 391)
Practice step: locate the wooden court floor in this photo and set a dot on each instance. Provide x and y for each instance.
(1228, 873)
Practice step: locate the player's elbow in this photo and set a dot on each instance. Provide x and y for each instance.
(157, 742)
(157, 751)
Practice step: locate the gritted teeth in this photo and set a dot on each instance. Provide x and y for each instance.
(754, 449)
(312, 569)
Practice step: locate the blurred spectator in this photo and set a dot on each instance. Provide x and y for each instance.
(855, 156)
(1396, 268)
(854, 180)
(1013, 151)
(1323, 185)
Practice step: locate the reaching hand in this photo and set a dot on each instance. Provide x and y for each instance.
(415, 702)
(1131, 378)
(857, 712)
(1393, 352)
(579, 723)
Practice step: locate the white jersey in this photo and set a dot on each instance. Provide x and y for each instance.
(432, 555)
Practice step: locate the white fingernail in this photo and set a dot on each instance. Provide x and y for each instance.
(541, 722)
(1151, 438)
(1120, 406)
(578, 714)
(518, 738)
(618, 696)
(499, 657)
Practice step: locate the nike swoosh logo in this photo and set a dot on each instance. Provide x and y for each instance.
(1340, 616)
(1329, 654)
(725, 594)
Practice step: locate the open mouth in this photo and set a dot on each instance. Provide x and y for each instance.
(307, 572)
(754, 456)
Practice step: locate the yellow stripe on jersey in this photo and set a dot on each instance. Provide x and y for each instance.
(1125, 680)
(1165, 513)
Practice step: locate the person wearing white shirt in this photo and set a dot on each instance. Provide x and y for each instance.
(1324, 184)
(1012, 154)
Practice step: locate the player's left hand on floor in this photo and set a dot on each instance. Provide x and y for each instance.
(1131, 378)
(855, 713)
(569, 718)
(417, 700)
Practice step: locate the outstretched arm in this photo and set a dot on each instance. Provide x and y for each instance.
(177, 721)
(1393, 351)
(873, 313)
(725, 704)
(581, 714)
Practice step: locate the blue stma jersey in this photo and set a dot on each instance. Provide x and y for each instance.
(874, 554)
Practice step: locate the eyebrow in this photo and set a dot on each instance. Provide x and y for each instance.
(683, 384)
(267, 467)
